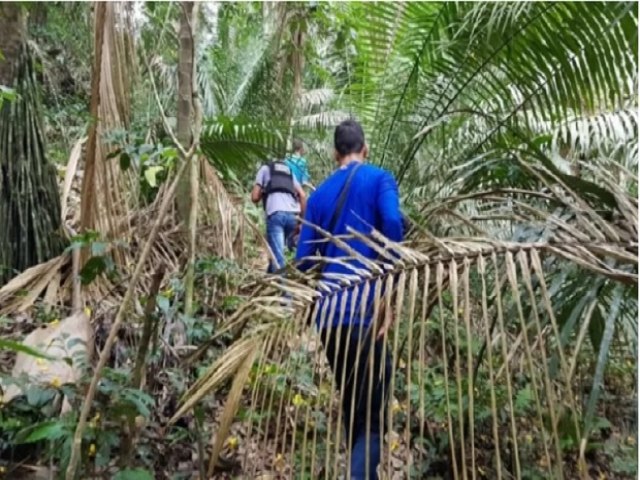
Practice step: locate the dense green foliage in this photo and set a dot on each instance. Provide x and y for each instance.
(512, 131)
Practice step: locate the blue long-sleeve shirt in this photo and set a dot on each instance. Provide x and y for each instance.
(372, 202)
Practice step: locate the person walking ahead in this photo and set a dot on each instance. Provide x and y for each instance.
(298, 164)
(283, 200)
(353, 349)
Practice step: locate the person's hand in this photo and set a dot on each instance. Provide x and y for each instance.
(387, 322)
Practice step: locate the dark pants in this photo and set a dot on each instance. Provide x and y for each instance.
(349, 356)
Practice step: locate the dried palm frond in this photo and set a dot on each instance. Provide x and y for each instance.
(105, 186)
(484, 365)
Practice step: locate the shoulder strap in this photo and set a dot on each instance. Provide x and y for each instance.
(266, 189)
(341, 199)
(272, 166)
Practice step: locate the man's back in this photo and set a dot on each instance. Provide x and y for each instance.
(371, 203)
(357, 355)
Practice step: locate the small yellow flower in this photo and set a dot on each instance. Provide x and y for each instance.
(54, 322)
(55, 382)
(396, 407)
(232, 442)
(87, 311)
(395, 445)
(167, 293)
(279, 462)
(92, 450)
(298, 400)
(140, 422)
(93, 423)
(42, 364)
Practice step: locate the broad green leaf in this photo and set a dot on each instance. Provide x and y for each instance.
(94, 267)
(603, 354)
(7, 93)
(49, 430)
(163, 303)
(19, 347)
(38, 396)
(114, 154)
(133, 474)
(125, 160)
(151, 173)
(98, 248)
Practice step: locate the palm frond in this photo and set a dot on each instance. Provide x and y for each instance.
(236, 144)
(520, 66)
(479, 322)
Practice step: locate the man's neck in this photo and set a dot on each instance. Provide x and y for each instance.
(355, 157)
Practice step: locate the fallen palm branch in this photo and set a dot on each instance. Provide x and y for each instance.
(451, 294)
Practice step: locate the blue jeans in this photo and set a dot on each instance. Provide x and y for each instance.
(280, 227)
(345, 361)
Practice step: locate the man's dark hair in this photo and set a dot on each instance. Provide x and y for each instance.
(297, 144)
(348, 138)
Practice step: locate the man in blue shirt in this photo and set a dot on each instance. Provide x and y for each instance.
(352, 347)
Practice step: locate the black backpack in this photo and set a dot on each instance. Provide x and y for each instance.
(280, 180)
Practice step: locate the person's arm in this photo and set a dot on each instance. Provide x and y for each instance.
(388, 203)
(306, 177)
(307, 243)
(302, 198)
(256, 191)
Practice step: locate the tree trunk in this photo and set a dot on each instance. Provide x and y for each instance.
(88, 183)
(13, 25)
(185, 99)
(30, 223)
(187, 196)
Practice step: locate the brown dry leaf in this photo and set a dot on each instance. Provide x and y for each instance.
(68, 338)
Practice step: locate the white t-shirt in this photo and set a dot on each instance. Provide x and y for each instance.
(277, 201)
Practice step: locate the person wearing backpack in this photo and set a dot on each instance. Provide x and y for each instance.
(283, 201)
(362, 197)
